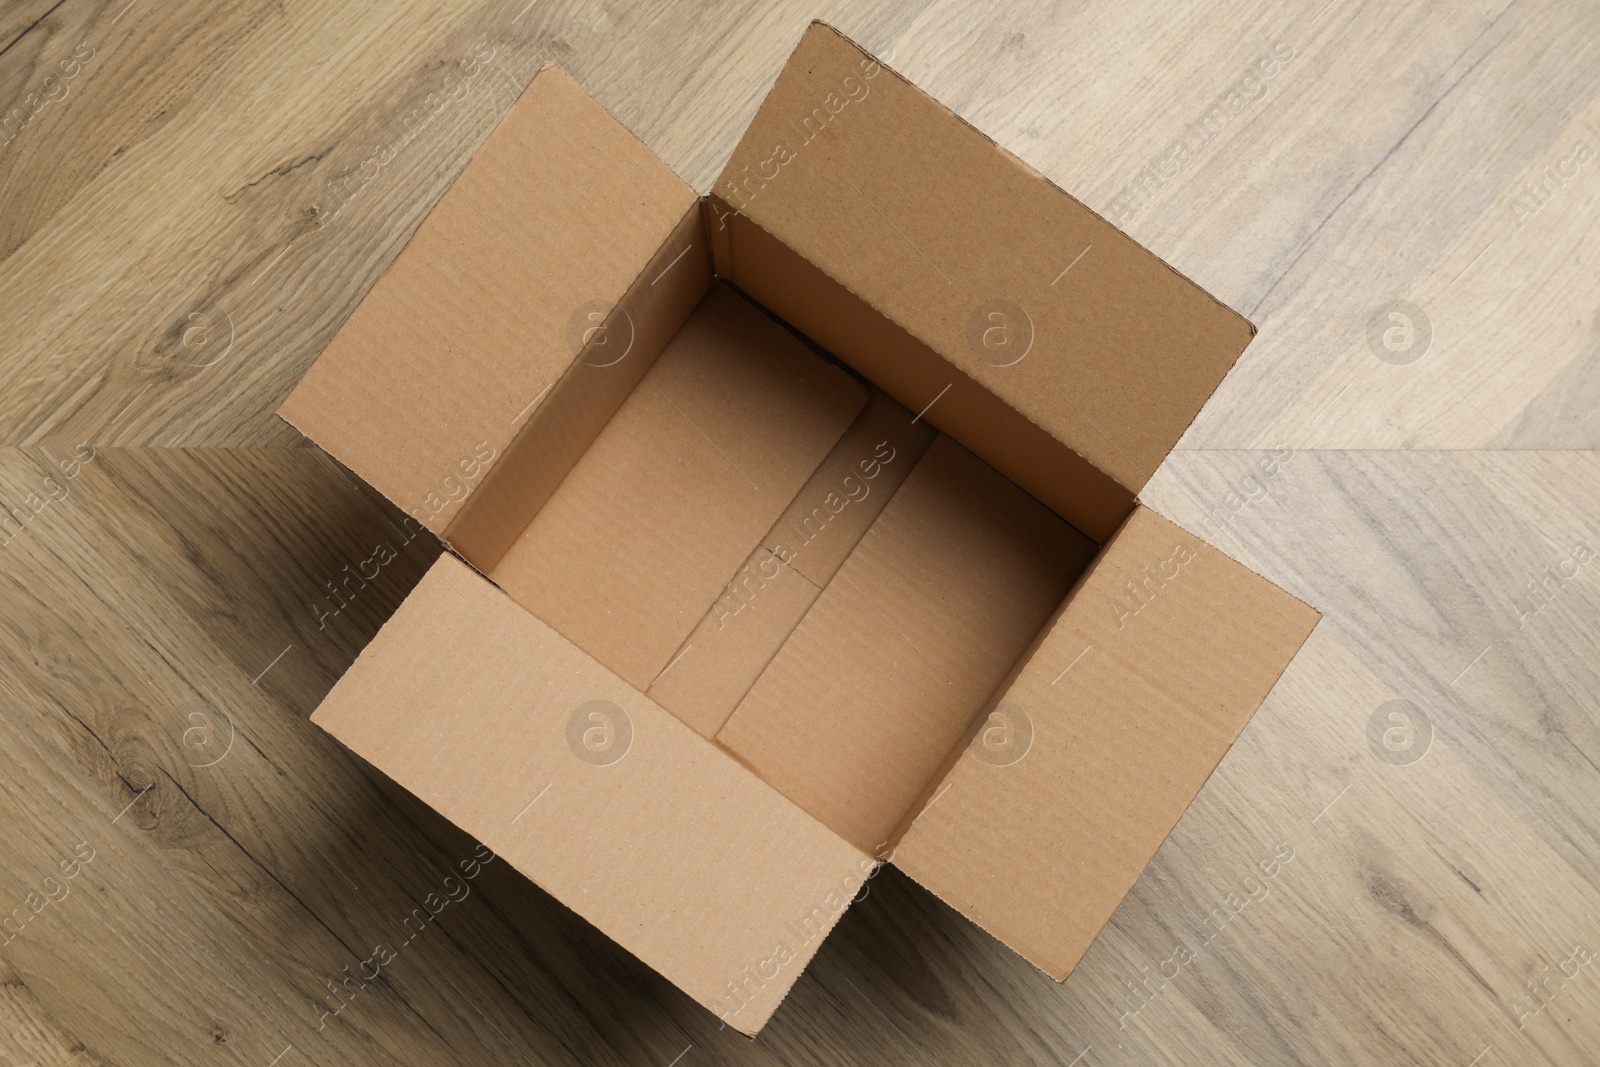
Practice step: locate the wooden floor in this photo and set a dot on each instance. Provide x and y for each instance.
(1422, 784)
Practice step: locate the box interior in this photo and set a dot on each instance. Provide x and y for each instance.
(767, 544)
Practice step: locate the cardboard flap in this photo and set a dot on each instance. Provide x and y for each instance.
(621, 812)
(425, 386)
(977, 256)
(1101, 739)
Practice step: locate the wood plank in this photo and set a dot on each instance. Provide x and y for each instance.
(175, 250)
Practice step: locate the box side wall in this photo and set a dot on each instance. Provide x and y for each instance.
(1101, 740)
(938, 391)
(979, 257)
(675, 493)
(614, 348)
(639, 825)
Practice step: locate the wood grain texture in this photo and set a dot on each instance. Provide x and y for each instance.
(180, 236)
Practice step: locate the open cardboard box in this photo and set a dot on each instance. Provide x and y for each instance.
(795, 529)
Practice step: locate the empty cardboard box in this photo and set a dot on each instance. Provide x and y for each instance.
(794, 529)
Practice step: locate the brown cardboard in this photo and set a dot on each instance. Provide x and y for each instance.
(942, 395)
(724, 655)
(607, 802)
(614, 350)
(880, 680)
(747, 631)
(1099, 742)
(977, 256)
(629, 554)
(849, 490)
(767, 597)
(425, 386)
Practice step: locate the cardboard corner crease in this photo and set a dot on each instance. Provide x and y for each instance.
(795, 529)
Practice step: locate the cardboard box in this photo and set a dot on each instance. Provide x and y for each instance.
(795, 529)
